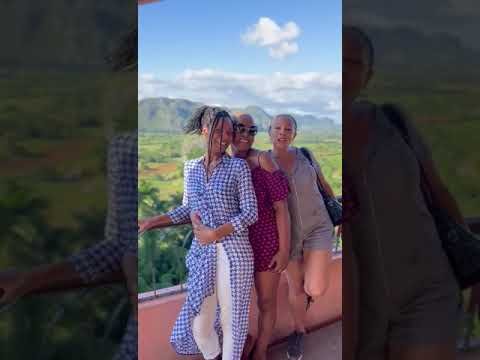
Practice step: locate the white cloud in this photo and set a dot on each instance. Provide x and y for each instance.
(283, 50)
(266, 32)
(279, 40)
(311, 92)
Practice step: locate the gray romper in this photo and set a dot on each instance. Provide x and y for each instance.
(311, 227)
(408, 292)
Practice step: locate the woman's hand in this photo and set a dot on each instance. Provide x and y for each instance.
(279, 261)
(339, 231)
(13, 286)
(204, 234)
(144, 225)
(195, 218)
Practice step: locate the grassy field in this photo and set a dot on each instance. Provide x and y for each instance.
(448, 116)
(54, 137)
(161, 158)
(53, 201)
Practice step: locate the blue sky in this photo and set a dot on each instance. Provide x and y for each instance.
(280, 55)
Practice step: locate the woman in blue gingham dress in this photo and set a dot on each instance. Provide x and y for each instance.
(224, 201)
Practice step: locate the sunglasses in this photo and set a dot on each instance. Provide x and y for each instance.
(241, 129)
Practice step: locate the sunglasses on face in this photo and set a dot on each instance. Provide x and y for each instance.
(241, 129)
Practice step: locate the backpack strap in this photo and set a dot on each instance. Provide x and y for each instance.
(306, 153)
(396, 118)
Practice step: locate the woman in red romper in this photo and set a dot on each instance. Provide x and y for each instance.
(270, 235)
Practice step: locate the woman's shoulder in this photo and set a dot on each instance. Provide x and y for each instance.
(192, 163)
(305, 154)
(266, 162)
(371, 118)
(237, 162)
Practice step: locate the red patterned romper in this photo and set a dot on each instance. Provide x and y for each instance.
(269, 188)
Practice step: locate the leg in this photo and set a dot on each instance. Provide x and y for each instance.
(204, 331)
(296, 294)
(317, 264)
(266, 284)
(422, 352)
(247, 349)
(427, 326)
(225, 301)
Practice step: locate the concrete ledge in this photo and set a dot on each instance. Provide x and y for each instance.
(157, 316)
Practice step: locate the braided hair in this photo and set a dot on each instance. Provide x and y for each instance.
(124, 57)
(209, 117)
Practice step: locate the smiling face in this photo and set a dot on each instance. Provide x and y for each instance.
(244, 133)
(356, 64)
(221, 137)
(282, 132)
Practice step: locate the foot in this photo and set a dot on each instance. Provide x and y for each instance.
(295, 346)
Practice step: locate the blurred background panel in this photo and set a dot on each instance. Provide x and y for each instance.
(63, 98)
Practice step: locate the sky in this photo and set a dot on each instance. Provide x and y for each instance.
(283, 56)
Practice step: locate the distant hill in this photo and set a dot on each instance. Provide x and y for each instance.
(169, 115)
(405, 54)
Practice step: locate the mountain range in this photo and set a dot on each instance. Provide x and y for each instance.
(406, 55)
(170, 115)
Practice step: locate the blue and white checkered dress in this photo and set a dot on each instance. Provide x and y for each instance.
(121, 230)
(228, 197)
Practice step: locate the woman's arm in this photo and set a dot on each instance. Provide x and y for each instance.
(181, 214)
(282, 218)
(247, 200)
(326, 185)
(156, 222)
(100, 264)
(441, 195)
(48, 278)
(278, 193)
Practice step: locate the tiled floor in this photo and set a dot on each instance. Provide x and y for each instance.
(325, 344)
